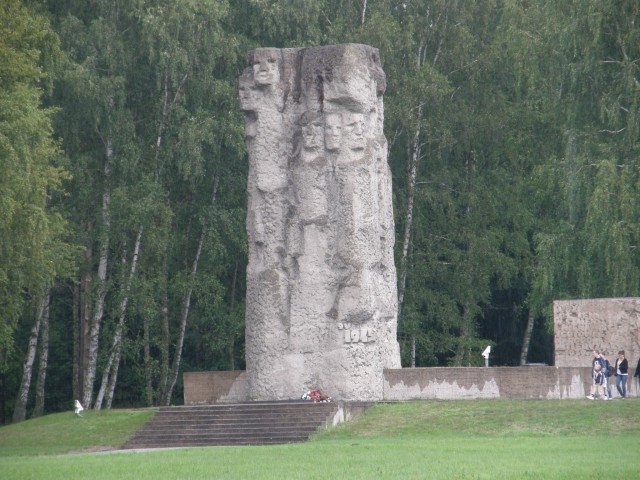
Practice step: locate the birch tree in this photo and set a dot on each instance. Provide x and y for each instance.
(186, 304)
(110, 372)
(32, 250)
(99, 137)
(20, 409)
(43, 357)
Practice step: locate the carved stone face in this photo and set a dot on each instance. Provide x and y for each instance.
(312, 136)
(332, 131)
(350, 86)
(248, 100)
(265, 67)
(354, 131)
(251, 125)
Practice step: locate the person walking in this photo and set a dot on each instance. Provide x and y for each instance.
(608, 371)
(597, 358)
(597, 386)
(622, 374)
(598, 375)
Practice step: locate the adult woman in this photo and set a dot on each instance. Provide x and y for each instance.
(622, 375)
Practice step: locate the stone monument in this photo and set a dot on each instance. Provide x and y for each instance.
(321, 282)
(606, 324)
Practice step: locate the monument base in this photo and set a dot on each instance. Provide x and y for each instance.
(434, 383)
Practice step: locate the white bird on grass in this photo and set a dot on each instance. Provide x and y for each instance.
(78, 408)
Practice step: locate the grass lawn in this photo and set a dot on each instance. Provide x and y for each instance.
(65, 432)
(500, 439)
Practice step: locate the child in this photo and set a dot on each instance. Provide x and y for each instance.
(597, 389)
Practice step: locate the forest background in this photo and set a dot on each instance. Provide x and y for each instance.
(514, 140)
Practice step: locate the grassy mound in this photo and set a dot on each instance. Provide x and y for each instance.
(66, 432)
(497, 418)
(502, 439)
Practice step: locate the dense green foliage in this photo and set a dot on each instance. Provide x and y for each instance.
(492, 439)
(32, 231)
(514, 135)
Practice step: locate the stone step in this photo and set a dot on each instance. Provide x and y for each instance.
(203, 413)
(241, 424)
(256, 404)
(228, 441)
(223, 443)
(240, 419)
(310, 407)
(229, 428)
(241, 430)
(220, 437)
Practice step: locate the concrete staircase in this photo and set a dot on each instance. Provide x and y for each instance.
(233, 424)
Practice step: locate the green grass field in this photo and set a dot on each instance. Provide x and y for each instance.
(500, 439)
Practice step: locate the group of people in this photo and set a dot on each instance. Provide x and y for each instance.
(602, 370)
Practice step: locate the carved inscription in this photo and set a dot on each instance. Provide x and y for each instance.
(356, 334)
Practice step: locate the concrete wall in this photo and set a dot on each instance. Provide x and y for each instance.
(451, 383)
(206, 388)
(608, 324)
(436, 383)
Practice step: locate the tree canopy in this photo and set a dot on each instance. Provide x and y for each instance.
(514, 144)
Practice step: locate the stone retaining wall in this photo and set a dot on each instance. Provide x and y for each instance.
(450, 383)
(434, 383)
(207, 388)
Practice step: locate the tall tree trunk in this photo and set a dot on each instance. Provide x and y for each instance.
(526, 341)
(186, 303)
(75, 384)
(20, 409)
(3, 399)
(164, 350)
(413, 350)
(408, 226)
(164, 354)
(364, 12)
(98, 311)
(43, 358)
(110, 375)
(467, 328)
(416, 154)
(232, 340)
(166, 109)
(111, 387)
(148, 374)
(85, 314)
(463, 350)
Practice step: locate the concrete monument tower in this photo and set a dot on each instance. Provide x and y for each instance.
(321, 281)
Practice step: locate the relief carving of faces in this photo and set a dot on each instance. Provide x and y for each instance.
(248, 94)
(265, 67)
(251, 125)
(332, 131)
(349, 86)
(354, 131)
(312, 135)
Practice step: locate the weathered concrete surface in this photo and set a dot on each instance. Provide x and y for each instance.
(207, 388)
(321, 281)
(454, 383)
(608, 324)
(438, 383)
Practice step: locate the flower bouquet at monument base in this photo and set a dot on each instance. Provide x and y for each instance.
(316, 396)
